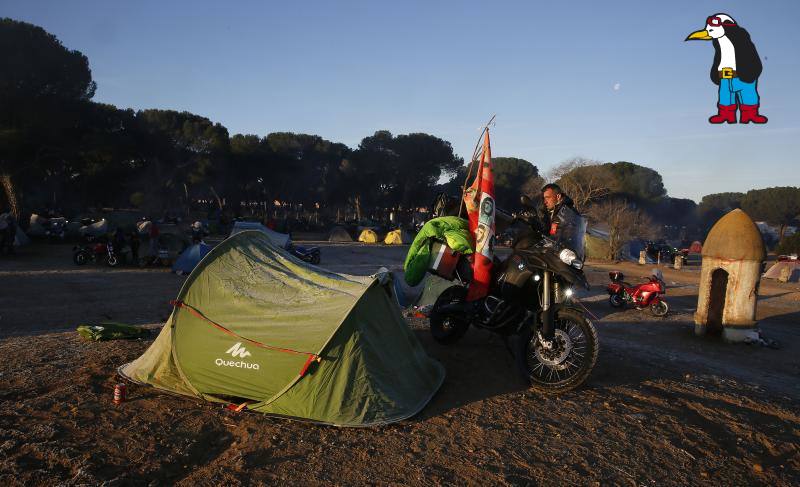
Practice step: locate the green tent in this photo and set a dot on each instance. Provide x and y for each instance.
(253, 325)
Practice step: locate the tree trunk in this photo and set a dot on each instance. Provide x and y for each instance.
(219, 201)
(358, 207)
(11, 195)
(781, 232)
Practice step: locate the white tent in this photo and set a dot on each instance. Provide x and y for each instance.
(96, 229)
(774, 272)
(279, 239)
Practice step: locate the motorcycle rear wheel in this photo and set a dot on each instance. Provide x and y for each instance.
(112, 261)
(616, 301)
(661, 308)
(568, 364)
(445, 327)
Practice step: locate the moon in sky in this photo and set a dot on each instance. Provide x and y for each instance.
(617, 86)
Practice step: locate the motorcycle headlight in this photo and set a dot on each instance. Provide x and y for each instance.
(569, 257)
(568, 292)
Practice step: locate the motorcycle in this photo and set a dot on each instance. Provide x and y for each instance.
(529, 300)
(644, 295)
(95, 251)
(307, 254)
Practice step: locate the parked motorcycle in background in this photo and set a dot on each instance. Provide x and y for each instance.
(307, 254)
(95, 250)
(645, 295)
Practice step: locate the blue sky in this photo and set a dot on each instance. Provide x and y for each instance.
(343, 69)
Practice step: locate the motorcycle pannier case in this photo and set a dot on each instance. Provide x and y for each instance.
(443, 260)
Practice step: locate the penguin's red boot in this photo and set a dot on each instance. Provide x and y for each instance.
(750, 114)
(727, 113)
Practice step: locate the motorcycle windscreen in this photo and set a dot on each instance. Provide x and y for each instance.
(573, 231)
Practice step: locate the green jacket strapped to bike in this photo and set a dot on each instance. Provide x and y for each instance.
(450, 229)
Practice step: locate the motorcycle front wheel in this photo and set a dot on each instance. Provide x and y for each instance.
(315, 259)
(80, 257)
(447, 328)
(570, 360)
(112, 261)
(660, 308)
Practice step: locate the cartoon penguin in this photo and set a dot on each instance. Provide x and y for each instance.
(736, 69)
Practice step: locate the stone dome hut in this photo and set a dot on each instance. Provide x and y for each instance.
(730, 277)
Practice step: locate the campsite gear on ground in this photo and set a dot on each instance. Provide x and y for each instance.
(449, 229)
(120, 393)
(95, 250)
(530, 298)
(255, 326)
(111, 330)
(644, 295)
(307, 254)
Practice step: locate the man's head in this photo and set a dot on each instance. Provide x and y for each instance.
(552, 195)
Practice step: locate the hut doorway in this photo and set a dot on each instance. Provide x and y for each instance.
(716, 300)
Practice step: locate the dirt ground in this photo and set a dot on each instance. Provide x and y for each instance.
(662, 407)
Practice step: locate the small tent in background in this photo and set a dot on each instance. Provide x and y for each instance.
(36, 227)
(397, 237)
(280, 239)
(20, 238)
(368, 236)
(255, 325)
(595, 243)
(696, 247)
(339, 234)
(189, 258)
(96, 229)
(775, 271)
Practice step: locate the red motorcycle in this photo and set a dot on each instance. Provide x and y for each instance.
(95, 251)
(646, 294)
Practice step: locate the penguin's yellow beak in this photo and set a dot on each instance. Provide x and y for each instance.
(700, 35)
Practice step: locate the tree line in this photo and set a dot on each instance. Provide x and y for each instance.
(59, 149)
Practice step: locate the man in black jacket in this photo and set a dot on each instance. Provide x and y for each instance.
(560, 220)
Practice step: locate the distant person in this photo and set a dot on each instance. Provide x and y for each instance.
(198, 232)
(154, 233)
(119, 241)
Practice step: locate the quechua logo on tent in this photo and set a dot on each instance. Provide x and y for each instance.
(237, 351)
